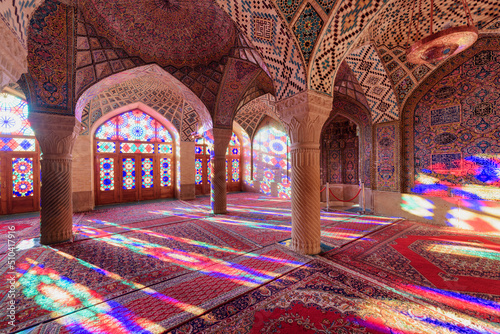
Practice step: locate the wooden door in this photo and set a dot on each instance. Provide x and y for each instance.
(20, 182)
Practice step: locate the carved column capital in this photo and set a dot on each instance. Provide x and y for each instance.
(222, 136)
(304, 115)
(56, 134)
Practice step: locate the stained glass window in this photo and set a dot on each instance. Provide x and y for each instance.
(17, 144)
(272, 158)
(209, 170)
(133, 125)
(165, 171)
(198, 150)
(163, 135)
(165, 148)
(106, 147)
(107, 174)
(234, 140)
(147, 172)
(136, 148)
(136, 126)
(236, 170)
(22, 177)
(135, 132)
(107, 130)
(14, 116)
(128, 173)
(198, 166)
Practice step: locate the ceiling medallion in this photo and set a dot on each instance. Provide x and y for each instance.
(443, 44)
(169, 5)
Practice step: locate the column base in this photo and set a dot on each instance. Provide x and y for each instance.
(55, 238)
(219, 212)
(306, 248)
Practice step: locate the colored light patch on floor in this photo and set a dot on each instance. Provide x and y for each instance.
(49, 285)
(259, 233)
(454, 261)
(344, 232)
(185, 297)
(321, 298)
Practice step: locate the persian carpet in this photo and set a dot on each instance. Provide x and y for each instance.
(443, 265)
(164, 305)
(341, 233)
(259, 232)
(321, 298)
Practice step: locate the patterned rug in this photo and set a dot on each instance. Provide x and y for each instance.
(320, 298)
(142, 257)
(167, 304)
(449, 266)
(341, 233)
(262, 232)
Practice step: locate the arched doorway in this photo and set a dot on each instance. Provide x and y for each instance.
(20, 158)
(134, 159)
(203, 165)
(341, 151)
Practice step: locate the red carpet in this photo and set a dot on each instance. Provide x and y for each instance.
(167, 304)
(150, 267)
(319, 298)
(445, 262)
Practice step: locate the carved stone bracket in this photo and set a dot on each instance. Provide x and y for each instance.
(56, 134)
(304, 115)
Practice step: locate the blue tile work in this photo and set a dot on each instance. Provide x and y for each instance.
(307, 28)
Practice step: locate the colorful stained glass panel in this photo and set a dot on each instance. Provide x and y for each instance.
(107, 130)
(135, 125)
(198, 166)
(234, 140)
(166, 172)
(236, 170)
(209, 170)
(22, 177)
(17, 144)
(136, 148)
(107, 174)
(198, 149)
(147, 172)
(162, 134)
(165, 148)
(128, 173)
(14, 116)
(106, 147)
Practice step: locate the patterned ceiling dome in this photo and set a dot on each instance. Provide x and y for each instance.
(167, 32)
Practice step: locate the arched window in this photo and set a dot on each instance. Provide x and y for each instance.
(271, 159)
(134, 159)
(20, 158)
(203, 165)
(233, 170)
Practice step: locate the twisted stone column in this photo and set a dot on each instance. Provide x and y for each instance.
(56, 135)
(304, 115)
(219, 191)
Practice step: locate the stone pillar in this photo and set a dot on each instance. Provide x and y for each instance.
(56, 135)
(303, 116)
(219, 194)
(186, 180)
